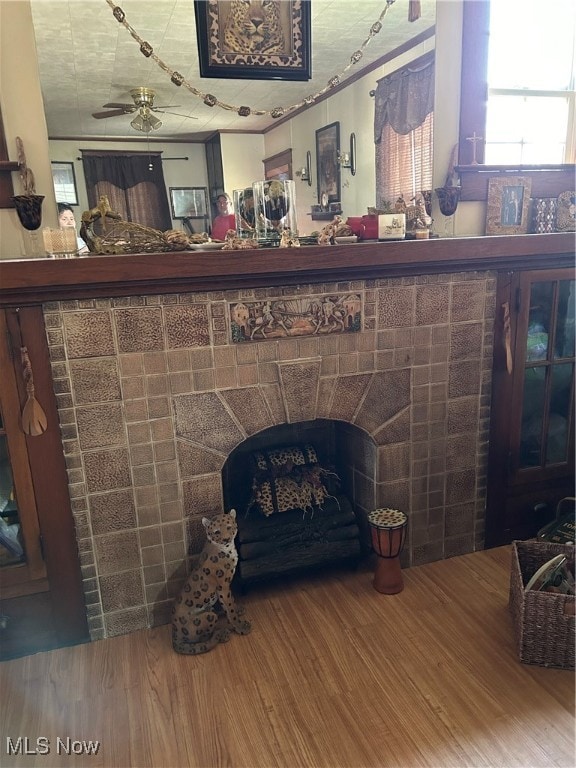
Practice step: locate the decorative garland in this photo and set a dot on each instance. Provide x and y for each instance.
(212, 101)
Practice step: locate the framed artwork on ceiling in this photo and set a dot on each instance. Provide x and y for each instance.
(508, 205)
(327, 166)
(188, 202)
(256, 41)
(64, 180)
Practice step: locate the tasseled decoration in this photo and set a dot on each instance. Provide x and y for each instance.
(414, 10)
(34, 420)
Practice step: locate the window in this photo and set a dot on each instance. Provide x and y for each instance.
(133, 182)
(531, 95)
(404, 163)
(403, 131)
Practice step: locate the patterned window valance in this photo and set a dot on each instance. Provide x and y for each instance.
(404, 98)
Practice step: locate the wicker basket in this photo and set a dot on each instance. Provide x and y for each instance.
(543, 621)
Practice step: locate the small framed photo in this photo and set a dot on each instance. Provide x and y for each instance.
(234, 43)
(566, 212)
(327, 166)
(188, 202)
(64, 180)
(508, 205)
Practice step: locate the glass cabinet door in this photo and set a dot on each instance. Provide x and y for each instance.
(548, 376)
(11, 547)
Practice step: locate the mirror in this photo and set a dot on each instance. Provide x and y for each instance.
(116, 65)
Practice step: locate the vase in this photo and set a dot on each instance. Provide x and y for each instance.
(29, 210)
(275, 208)
(448, 198)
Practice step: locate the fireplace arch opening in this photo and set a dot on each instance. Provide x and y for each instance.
(276, 539)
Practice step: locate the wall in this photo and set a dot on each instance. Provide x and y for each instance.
(242, 156)
(23, 115)
(153, 395)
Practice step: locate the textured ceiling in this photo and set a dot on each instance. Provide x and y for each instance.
(87, 59)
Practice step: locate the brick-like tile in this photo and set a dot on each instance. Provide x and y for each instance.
(88, 334)
(112, 512)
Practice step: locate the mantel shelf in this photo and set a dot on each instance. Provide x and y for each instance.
(547, 180)
(34, 281)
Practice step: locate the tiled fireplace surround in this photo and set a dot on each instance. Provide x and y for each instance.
(153, 396)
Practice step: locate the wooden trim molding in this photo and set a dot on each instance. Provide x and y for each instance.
(547, 181)
(32, 281)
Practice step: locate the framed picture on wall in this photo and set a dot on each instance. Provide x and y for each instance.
(327, 166)
(233, 41)
(188, 202)
(508, 205)
(64, 181)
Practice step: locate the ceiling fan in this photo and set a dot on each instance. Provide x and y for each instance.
(145, 120)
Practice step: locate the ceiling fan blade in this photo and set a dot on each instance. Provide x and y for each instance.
(165, 112)
(165, 106)
(119, 105)
(110, 113)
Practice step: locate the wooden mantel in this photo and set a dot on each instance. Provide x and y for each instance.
(32, 281)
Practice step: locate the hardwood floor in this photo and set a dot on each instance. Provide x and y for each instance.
(333, 674)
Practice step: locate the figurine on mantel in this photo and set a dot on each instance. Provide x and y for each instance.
(335, 228)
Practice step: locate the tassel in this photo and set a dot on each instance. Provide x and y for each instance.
(34, 421)
(414, 10)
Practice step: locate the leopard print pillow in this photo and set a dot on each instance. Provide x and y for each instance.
(288, 478)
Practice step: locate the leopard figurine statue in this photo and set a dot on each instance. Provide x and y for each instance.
(204, 613)
(254, 27)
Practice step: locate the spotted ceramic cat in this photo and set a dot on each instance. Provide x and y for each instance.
(205, 602)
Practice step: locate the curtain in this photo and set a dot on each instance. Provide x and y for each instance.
(134, 184)
(404, 163)
(403, 131)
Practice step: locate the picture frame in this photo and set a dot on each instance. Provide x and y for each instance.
(327, 165)
(64, 180)
(508, 204)
(188, 202)
(223, 54)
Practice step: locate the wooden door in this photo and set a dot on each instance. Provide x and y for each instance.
(531, 458)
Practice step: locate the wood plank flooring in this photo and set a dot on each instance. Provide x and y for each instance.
(333, 675)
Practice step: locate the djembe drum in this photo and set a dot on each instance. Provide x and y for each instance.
(388, 530)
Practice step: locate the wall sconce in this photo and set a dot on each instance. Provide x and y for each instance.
(348, 159)
(305, 173)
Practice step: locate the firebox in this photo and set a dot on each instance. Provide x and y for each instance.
(295, 509)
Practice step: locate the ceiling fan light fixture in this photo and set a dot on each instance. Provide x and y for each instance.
(146, 122)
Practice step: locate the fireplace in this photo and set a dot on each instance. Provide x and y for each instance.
(156, 395)
(287, 537)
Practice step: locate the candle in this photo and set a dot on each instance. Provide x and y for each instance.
(60, 243)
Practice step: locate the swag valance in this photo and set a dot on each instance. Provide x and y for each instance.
(123, 170)
(404, 98)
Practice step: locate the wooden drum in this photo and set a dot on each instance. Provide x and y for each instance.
(388, 531)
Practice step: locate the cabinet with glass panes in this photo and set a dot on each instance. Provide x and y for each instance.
(531, 459)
